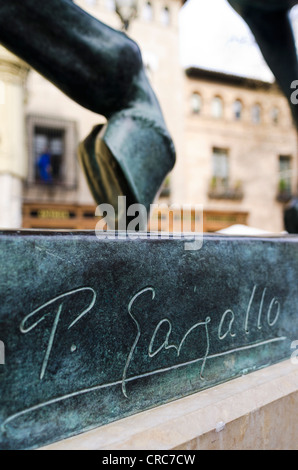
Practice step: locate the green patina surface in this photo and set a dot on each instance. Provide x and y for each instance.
(96, 330)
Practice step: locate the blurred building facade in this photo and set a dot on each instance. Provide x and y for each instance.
(240, 138)
(236, 145)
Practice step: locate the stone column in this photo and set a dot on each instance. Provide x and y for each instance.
(13, 159)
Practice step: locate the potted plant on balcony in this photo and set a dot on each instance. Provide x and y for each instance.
(284, 192)
(221, 189)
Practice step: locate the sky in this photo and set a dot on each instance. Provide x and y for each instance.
(213, 36)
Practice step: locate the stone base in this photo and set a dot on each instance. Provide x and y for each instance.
(258, 411)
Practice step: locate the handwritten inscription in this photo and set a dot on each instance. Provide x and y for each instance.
(39, 315)
(254, 316)
(165, 345)
(199, 330)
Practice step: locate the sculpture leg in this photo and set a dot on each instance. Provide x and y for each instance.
(291, 216)
(273, 32)
(102, 70)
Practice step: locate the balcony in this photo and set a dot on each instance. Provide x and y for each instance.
(222, 189)
(284, 193)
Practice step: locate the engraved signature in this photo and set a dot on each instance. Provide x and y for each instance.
(163, 329)
(26, 327)
(165, 344)
(225, 328)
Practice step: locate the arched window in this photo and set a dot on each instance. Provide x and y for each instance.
(196, 103)
(217, 107)
(275, 115)
(238, 109)
(256, 114)
(165, 16)
(148, 12)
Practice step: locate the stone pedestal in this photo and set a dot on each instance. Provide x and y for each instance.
(13, 161)
(97, 329)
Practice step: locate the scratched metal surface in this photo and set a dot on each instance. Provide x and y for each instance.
(96, 330)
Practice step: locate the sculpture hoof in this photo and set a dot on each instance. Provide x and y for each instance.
(129, 156)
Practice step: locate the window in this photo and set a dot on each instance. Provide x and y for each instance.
(217, 107)
(256, 114)
(165, 16)
(52, 148)
(220, 167)
(148, 12)
(196, 103)
(238, 108)
(48, 149)
(285, 174)
(275, 116)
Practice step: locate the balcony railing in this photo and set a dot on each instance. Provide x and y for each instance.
(222, 189)
(284, 192)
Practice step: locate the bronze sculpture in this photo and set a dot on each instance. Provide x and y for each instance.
(102, 70)
(291, 216)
